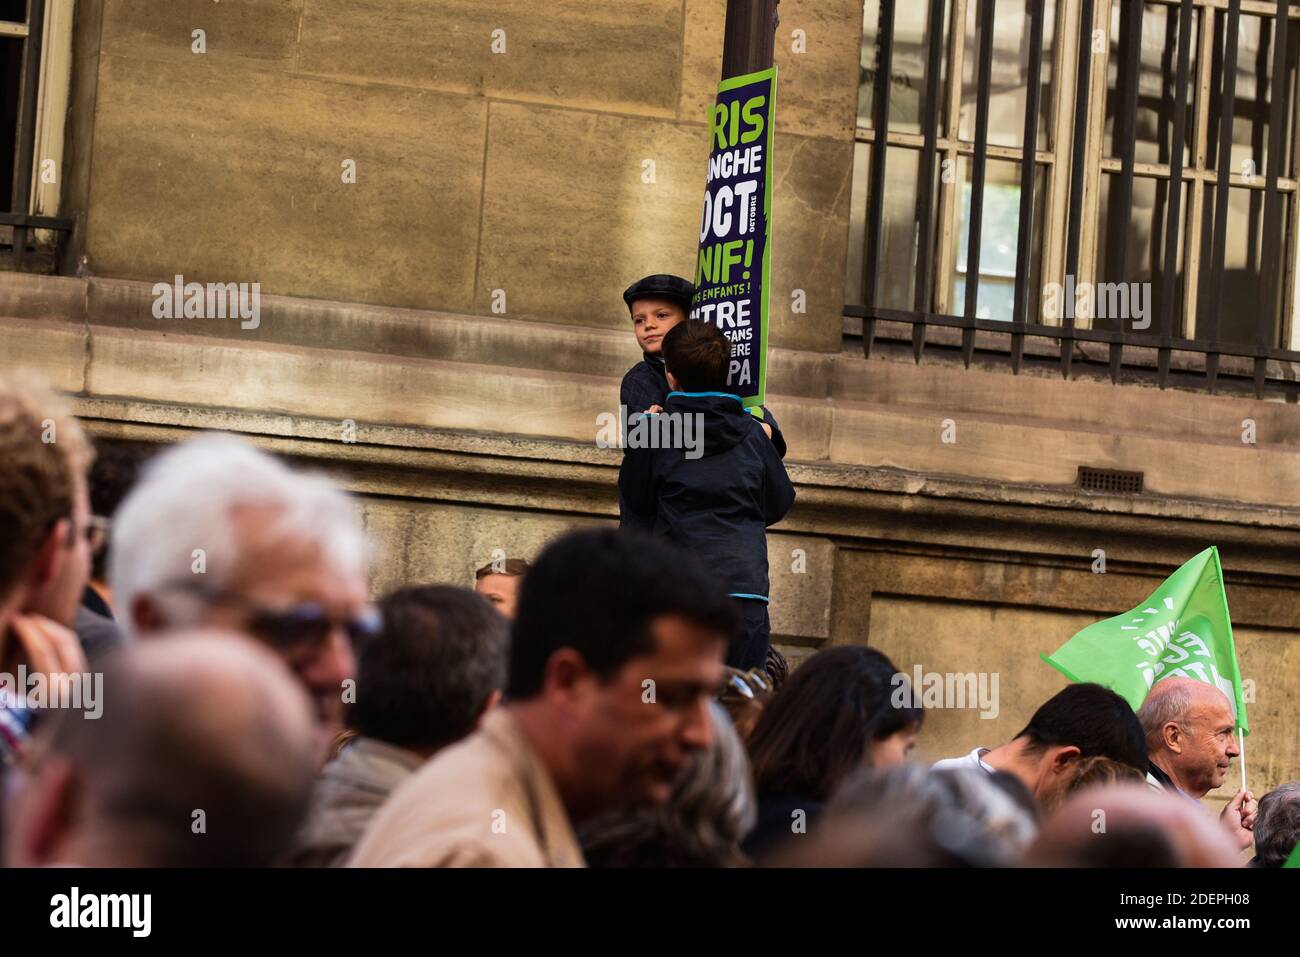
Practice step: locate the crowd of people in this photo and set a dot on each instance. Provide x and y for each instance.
(193, 673)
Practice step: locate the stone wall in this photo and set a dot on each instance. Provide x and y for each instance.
(558, 170)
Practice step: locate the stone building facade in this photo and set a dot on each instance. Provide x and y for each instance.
(442, 333)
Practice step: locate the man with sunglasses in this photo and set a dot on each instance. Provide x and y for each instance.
(218, 534)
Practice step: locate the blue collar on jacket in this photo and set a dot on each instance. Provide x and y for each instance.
(719, 395)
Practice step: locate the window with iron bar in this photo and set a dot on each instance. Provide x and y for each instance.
(1022, 186)
(35, 53)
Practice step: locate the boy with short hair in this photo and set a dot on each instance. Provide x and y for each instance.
(716, 502)
(499, 583)
(656, 304)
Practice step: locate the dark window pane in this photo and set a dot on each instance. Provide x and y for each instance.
(1010, 75)
(907, 81)
(1144, 225)
(11, 63)
(1157, 71)
(896, 282)
(1244, 294)
(1253, 95)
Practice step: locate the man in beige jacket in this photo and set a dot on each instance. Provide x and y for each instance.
(616, 652)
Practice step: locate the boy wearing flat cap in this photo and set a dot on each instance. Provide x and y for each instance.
(656, 303)
(716, 498)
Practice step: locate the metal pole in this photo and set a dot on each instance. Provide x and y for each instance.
(22, 192)
(750, 36)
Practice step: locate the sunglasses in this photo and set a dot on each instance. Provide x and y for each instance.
(752, 685)
(308, 625)
(298, 629)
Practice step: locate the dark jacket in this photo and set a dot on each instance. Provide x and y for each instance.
(646, 384)
(1157, 780)
(717, 506)
(776, 822)
(348, 792)
(98, 634)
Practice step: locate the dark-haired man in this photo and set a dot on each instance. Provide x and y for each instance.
(615, 655)
(717, 499)
(1080, 721)
(116, 469)
(423, 683)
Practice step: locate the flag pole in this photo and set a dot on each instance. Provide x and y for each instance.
(1241, 736)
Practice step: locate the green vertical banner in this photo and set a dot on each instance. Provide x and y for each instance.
(1182, 630)
(733, 268)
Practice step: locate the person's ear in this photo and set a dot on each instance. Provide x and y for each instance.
(1173, 735)
(49, 558)
(672, 380)
(1064, 757)
(567, 675)
(145, 615)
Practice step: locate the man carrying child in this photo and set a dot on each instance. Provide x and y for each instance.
(717, 504)
(656, 304)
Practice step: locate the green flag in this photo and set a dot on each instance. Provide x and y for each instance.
(1182, 630)
(1294, 859)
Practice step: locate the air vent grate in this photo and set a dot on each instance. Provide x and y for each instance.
(1113, 481)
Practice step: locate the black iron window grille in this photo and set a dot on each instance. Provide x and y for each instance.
(1102, 174)
(21, 37)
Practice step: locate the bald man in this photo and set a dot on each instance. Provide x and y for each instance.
(203, 757)
(1190, 734)
(1139, 828)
